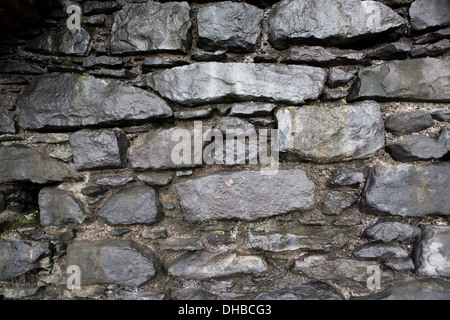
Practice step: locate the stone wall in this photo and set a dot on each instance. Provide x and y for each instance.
(359, 93)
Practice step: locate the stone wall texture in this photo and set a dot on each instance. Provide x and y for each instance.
(358, 93)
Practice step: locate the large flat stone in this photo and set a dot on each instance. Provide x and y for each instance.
(328, 21)
(433, 252)
(245, 195)
(330, 133)
(72, 101)
(207, 82)
(408, 190)
(425, 79)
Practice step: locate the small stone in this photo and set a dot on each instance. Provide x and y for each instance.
(444, 137)
(96, 21)
(415, 148)
(102, 61)
(400, 264)
(156, 63)
(113, 181)
(193, 114)
(168, 205)
(380, 250)
(431, 50)
(433, 252)
(120, 232)
(110, 73)
(61, 42)
(93, 191)
(251, 109)
(177, 244)
(433, 36)
(158, 234)
(218, 56)
(234, 125)
(426, 14)
(98, 7)
(265, 58)
(441, 114)
(156, 179)
(346, 178)
(320, 56)
(392, 231)
(52, 139)
(336, 201)
(6, 124)
(333, 95)
(123, 294)
(392, 51)
(407, 122)
(20, 67)
(339, 77)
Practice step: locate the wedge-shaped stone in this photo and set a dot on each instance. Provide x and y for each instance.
(68, 100)
(245, 195)
(328, 21)
(425, 79)
(331, 133)
(408, 190)
(206, 82)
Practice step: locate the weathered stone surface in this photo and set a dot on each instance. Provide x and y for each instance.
(444, 137)
(195, 294)
(121, 262)
(156, 179)
(294, 239)
(407, 122)
(392, 231)
(58, 207)
(424, 79)
(339, 77)
(433, 252)
(417, 147)
(113, 181)
(190, 244)
(313, 290)
(61, 42)
(423, 289)
(331, 133)
(336, 201)
(215, 82)
(206, 265)
(245, 195)
(6, 124)
(219, 56)
(96, 149)
(234, 125)
(193, 114)
(84, 101)
(392, 51)
(380, 250)
(426, 14)
(320, 56)
(157, 62)
(122, 294)
(408, 190)
(19, 163)
(102, 61)
(346, 178)
(98, 7)
(19, 257)
(400, 264)
(229, 25)
(251, 109)
(20, 67)
(431, 50)
(131, 205)
(152, 27)
(330, 22)
(441, 114)
(433, 36)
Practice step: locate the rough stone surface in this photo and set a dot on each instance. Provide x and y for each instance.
(84, 101)
(313, 132)
(423, 289)
(95, 149)
(121, 262)
(400, 264)
(407, 122)
(408, 190)
(251, 109)
(152, 27)
(339, 77)
(214, 82)
(206, 265)
(441, 114)
(433, 254)
(320, 56)
(444, 137)
(63, 41)
(346, 178)
(156, 179)
(431, 50)
(330, 22)
(245, 195)
(426, 14)
(313, 290)
(392, 231)
(131, 205)
(229, 25)
(380, 250)
(176, 244)
(392, 51)
(336, 201)
(417, 147)
(6, 124)
(424, 79)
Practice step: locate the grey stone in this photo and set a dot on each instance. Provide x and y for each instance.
(113, 181)
(343, 177)
(433, 36)
(336, 201)
(55, 138)
(330, 133)
(205, 265)
(18, 293)
(235, 125)
(229, 25)
(98, 7)
(152, 27)
(158, 234)
(120, 232)
(396, 3)
(157, 62)
(392, 51)
(93, 191)
(112, 73)
(380, 250)
(444, 137)
(123, 294)
(20, 67)
(251, 109)
(195, 294)
(424, 79)
(85, 101)
(431, 50)
(433, 252)
(330, 22)
(96, 21)
(42, 234)
(20, 163)
(400, 264)
(6, 124)
(320, 56)
(121, 262)
(238, 81)
(392, 231)
(333, 95)
(156, 179)
(422, 289)
(426, 14)
(98, 149)
(176, 244)
(407, 122)
(219, 56)
(19, 257)
(408, 190)
(132, 205)
(61, 42)
(59, 207)
(245, 195)
(441, 114)
(194, 114)
(326, 239)
(417, 147)
(313, 290)
(102, 61)
(339, 77)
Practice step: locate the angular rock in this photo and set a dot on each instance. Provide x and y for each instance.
(152, 27)
(400, 264)
(417, 147)
(441, 114)
(67, 100)
(424, 79)
(208, 82)
(19, 257)
(320, 56)
(380, 250)
(6, 124)
(121, 262)
(193, 114)
(156, 179)
(122, 294)
(98, 149)
(113, 181)
(234, 125)
(336, 201)
(245, 195)
(20, 67)
(131, 205)
(156, 62)
(407, 122)
(444, 137)
(59, 207)
(426, 14)
(392, 51)
(61, 42)
(205, 265)
(229, 25)
(219, 56)
(392, 231)
(431, 50)
(102, 61)
(19, 163)
(422, 289)
(333, 95)
(433, 36)
(408, 190)
(93, 191)
(331, 133)
(294, 239)
(313, 290)
(329, 22)
(339, 77)
(98, 7)
(251, 109)
(190, 244)
(433, 252)
(346, 178)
